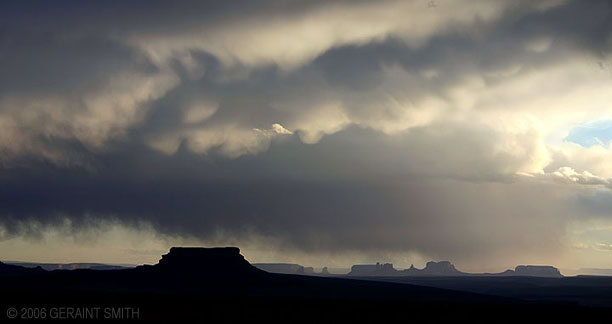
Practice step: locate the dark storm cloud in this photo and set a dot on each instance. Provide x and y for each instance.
(458, 52)
(433, 184)
(313, 197)
(47, 63)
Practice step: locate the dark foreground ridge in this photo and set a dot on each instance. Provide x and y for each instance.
(13, 270)
(288, 268)
(219, 285)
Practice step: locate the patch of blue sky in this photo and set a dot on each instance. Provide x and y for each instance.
(587, 135)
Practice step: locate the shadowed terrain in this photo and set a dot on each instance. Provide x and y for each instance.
(592, 291)
(218, 284)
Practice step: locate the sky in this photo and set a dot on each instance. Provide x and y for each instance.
(325, 133)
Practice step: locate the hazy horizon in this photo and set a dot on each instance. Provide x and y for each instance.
(336, 269)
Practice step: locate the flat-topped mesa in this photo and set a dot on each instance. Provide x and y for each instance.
(537, 271)
(212, 261)
(442, 268)
(377, 269)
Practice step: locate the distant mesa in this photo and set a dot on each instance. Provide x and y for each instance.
(70, 266)
(527, 271)
(377, 269)
(537, 271)
(442, 268)
(446, 268)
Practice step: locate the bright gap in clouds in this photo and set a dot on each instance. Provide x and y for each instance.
(591, 134)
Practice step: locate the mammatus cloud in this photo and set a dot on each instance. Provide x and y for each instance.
(286, 37)
(387, 126)
(291, 36)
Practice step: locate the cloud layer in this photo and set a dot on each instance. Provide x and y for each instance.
(387, 126)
